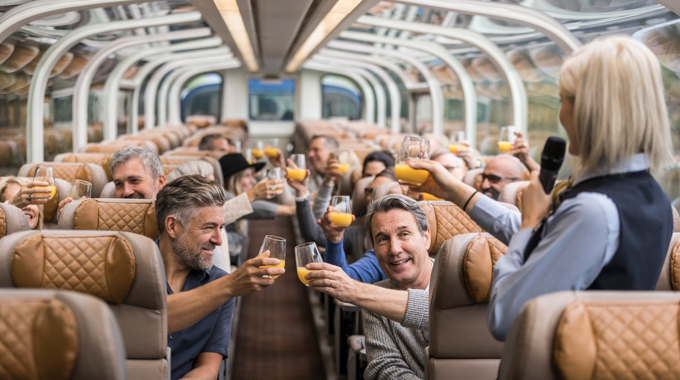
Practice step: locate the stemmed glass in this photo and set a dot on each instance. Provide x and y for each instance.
(413, 148)
(46, 174)
(258, 151)
(343, 217)
(272, 148)
(507, 138)
(80, 189)
(306, 254)
(458, 138)
(300, 172)
(343, 160)
(277, 250)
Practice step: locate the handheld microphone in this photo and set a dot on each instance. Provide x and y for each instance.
(551, 161)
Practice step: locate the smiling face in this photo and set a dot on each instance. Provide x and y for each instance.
(401, 249)
(194, 245)
(32, 212)
(133, 181)
(248, 180)
(318, 154)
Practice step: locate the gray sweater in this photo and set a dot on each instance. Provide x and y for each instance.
(394, 351)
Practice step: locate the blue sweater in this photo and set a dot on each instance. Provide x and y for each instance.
(366, 269)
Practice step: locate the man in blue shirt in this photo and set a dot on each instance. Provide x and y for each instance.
(200, 296)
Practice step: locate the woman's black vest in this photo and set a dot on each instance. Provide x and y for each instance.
(646, 228)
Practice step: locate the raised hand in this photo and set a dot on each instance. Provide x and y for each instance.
(331, 280)
(333, 234)
(331, 173)
(278, 160)
(300, 186)
(249, 277)
(31, 194)
(265, 189)
(535, 202)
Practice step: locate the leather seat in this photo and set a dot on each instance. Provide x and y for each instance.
(460, 341)
(121, 268)
(595, 335)
(101, 159)
(669, 279)
(112, 147)
(446, 220)
(167, 169)
(359, 196)
(128, 215)
(512, 193)
(12, 220)
(58, 335)
(70, 172)
(178, 160)
(473, 178)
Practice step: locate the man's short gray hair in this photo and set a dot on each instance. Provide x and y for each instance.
(149, 160)
(392, 202)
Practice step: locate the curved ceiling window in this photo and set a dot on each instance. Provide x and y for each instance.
(271, 100)
(202, 96)
(341, 97)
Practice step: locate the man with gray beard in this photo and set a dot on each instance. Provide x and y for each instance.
(200, 296)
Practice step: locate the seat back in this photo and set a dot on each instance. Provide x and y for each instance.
(121, 268)
(359, 196)
(473, 178)
(167, 169)
(70, 172)
(128, 215)
(460, 341)
(109, 191)
(669, 279)
(595, 335)
(58, 335)
(512, 193)
(12, 220)
(178, 160)
(446, 220)
(100, 159)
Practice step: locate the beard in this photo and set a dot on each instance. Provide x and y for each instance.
(190, 257)
(491, 192)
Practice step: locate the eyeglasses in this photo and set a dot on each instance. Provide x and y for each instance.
(492, 178)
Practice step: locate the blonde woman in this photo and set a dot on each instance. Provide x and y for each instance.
(611, 224)
(25, 194)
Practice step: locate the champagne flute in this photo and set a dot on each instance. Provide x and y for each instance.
(46, 174)
(272, 148)
(80, 189)
(275, 174)
(413, 148)
(305, 254)
(458, 138)
(277, 250)
(300, 173)
(343, 160)
(258, 151)
(343, 217)
(507, 138)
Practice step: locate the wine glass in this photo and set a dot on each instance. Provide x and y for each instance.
(258, 150)
(507, 138)
(457, 138)
(277, 250)
(413, 148)
(300, 173)
(46, 174)
(343, 160)
(343, 217)
(272, 148)
(275, 174)
(305, 254)
(80, 189)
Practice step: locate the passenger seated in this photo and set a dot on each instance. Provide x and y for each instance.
(137, 173)
(200, 295)
(500, 171)
(26, 195)
(401, 236)
(455, 166)
(320, 148)
(376, 162)
(216, 143)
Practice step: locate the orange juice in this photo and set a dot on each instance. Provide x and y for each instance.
(340, 219)
(271, 152)
(454, 148)
(505, 146)
(297, 174)
(409, 176)
(51, 189)
(282, 264)
(342, 168)
(302, 272)
(257, 153)
(430, 197)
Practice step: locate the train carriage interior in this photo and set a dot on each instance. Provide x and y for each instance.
(323, 97)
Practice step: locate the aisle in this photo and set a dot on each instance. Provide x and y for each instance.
(276, 338)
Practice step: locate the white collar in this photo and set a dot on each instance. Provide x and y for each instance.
(635, 163)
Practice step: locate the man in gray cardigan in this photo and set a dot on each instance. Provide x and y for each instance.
(401, 236)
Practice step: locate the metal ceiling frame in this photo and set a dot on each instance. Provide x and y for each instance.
(35, 109)
(468, 87)
(392, 88)
(81, 89)
(175, 108)
(113, 82)
(518, 97)
(374, 59)
(369, 98)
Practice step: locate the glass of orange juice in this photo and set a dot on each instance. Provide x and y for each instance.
(343, 160)
(277, 250)
(258, 150)
(305, 254)
(507, 138)
(343, 217)
(272, 148)
(46, 174)
(299, 172)
(457, 138)
(413, 148)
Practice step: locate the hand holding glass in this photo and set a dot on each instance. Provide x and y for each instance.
(272, 148)
(343, 217)
(80, 189)
(413, 148)
(457, 139)
(507, 138)
(343, 160)
(258, 151)
(46, 174)
(277, 250)
(306, 254)
(300, 172)
(275, 174)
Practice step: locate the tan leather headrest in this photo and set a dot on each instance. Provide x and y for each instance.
(472, 177)
(512, 193)
(102, 266)
(128, 215)
(167, 169)
(669, 279)
(359, 196)
(12, 220)
(446, 220)
(100, 159)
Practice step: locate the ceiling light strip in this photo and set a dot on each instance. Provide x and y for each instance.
(231, 14)
(338, 13)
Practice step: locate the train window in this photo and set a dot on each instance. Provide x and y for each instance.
(341, 98)
(202, 96)
(271, 100)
